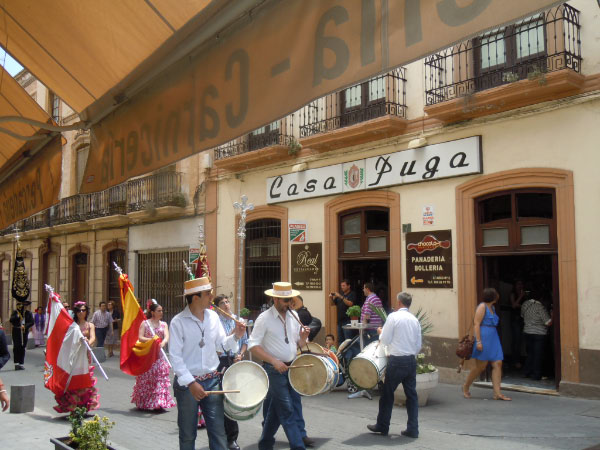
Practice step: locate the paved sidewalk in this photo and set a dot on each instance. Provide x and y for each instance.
(334, 421)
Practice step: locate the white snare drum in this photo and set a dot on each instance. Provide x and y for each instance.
(368, 367)
(253, 383)
(319, 379)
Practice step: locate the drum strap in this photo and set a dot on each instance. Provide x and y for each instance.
(207, 376)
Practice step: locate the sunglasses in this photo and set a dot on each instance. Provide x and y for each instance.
(286, 300)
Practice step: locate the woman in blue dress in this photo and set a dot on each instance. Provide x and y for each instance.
(487, 344)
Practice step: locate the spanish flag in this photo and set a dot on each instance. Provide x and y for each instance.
(136, 357)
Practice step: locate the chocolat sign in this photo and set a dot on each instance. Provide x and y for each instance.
(429, 259)
(433, 162)
(307, 273)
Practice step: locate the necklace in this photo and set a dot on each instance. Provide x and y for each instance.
(287, 341)
(201, 343)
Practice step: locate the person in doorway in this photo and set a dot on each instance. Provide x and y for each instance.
(196, 334)
(151, 391)
(517, 297)
(536, 322)
(102, 320)
(343, 300)
(39, 319)
(402, 334)
(21, 320)
(4, 400)
(112, 337)
(276, 336)
(487, 344)
(367, 316)
(227, 358)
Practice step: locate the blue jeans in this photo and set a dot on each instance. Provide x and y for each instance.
(400, 369)
(187, 415)
(101, 336)
(283, 407)
(298, 415)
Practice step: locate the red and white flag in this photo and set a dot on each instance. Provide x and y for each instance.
(66, 364)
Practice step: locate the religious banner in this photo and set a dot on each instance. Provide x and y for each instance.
(429, 259)
(307, 266)
(32, 188)
(226, 90)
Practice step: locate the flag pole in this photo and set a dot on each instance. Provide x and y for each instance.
(244, 207)
(161, 349)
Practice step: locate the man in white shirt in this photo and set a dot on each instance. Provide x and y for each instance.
(196, 334)
(277, 334)
(402, 334)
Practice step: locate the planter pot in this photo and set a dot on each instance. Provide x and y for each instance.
(61, 444)
(354, 321)
(426, 382)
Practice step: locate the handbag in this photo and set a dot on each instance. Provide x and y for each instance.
(465, 347)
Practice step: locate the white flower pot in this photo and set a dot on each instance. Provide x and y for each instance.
(426, 382)
(354, 322)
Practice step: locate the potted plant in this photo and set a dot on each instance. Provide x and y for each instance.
(354, 313)
(85, 435)
(244, 313)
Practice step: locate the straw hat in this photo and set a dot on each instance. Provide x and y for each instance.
(196, 286)
(282, 289)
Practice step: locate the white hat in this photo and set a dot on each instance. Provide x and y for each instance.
(282, 289)
(197, 285)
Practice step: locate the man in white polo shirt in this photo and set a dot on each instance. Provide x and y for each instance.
(196, 334)
(402, 334)
(275, 338)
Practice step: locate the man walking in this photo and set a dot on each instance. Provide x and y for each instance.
(196, 335)
(402, 334)
(21, 320)
(102, 319)
(367, 316)
(275, 338)
(343, 301)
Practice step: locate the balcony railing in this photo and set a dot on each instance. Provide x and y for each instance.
(546, 42)
(110, 202)
(280, 132)
(378, 97)
(159, 189)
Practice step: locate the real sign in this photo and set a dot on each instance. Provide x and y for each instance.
(433, 162)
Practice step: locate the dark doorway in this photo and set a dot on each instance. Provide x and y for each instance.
(376, 271)
(537, 274)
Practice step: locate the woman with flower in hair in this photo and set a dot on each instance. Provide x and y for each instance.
(152, 388)
(84, 397)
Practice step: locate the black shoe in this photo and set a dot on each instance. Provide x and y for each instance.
(19, 367)
(308, 442)
(376, 429)
(409, 434)
(233, 445)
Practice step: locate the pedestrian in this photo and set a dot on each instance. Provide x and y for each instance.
(152, 388)
(537, 320)
(112, 337)
(21, 320)
(343, 300)
(88, 397)
(196, 334)
(367, 316)
(4, 400)
(4, 354)
(102, 319)
(227, 358)
(38, 329)
(487, 344)
(401, 333)
(276, 336)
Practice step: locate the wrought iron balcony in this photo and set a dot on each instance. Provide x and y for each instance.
(380, 96)
(280, 132)
(543, 43)
(154, 191)
(110, 202)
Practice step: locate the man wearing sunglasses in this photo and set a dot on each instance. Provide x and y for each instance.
(276, 336)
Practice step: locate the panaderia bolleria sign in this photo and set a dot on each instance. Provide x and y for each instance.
(288, 55)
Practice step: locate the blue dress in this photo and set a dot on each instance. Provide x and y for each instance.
(492, 349)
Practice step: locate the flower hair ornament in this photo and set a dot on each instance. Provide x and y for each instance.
(79, 304)
(149, 303)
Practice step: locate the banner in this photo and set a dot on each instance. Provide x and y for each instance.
(290, 54)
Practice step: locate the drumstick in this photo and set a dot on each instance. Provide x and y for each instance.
(228, 315)
(302, 365)
(230, 391)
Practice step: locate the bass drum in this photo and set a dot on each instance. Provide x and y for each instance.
(368, 367)
(253, 383)
(321, 378)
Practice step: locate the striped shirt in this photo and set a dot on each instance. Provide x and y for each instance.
(229, 326)
(366, 310)
(536, 317)
(101, 319)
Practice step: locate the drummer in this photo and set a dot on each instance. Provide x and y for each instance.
(275, 338)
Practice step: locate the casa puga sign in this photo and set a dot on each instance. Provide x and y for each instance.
(307, 273)
(433, 162)
(429, 259)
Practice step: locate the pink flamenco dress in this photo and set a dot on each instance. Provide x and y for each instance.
(152, 388)
(89, 398)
